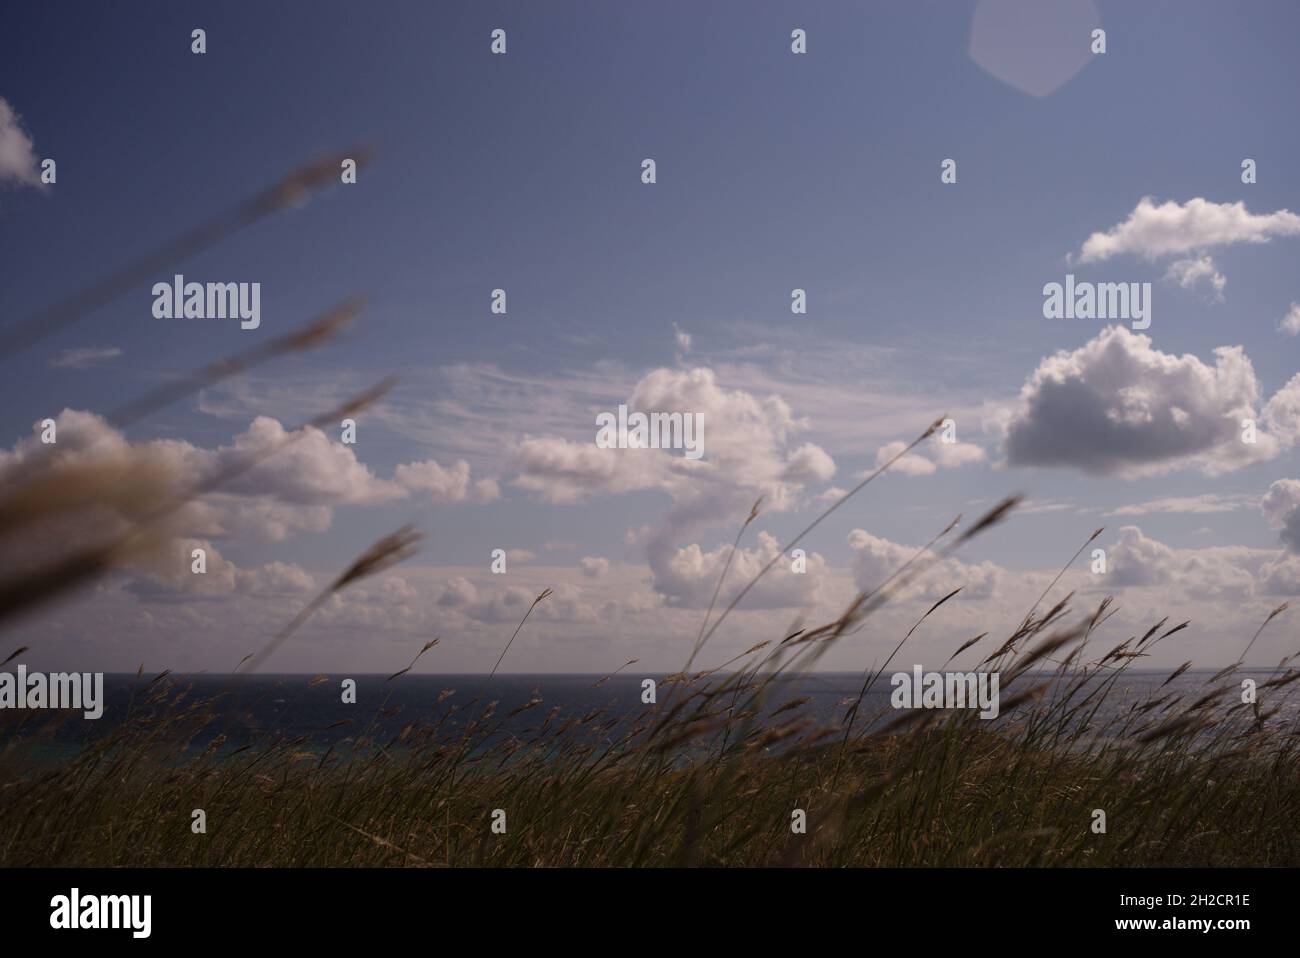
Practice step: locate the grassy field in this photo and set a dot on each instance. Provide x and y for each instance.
(712, 775)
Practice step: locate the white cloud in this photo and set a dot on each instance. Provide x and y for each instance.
(746, 441)
(833, 494)
(290, 482)
(18, 162)
(457, 592)
(1139, 561)
(495, 604)
(1039, 506)
(682, 338)
(912, 464)
(1193, 270)
(749, 452)
(1282, 413)
(311, 470)
(808, 463)
(1290, 323)
(445, 484)
(593, 567)
(876, 559)
(562, 471)
(168, 575)
(1117, 405)
(953, 455)
(597, 625)
(1175, 229)
(253, 518)
(928, 457)
(1280, 577)
(1281, 507)
(85, 357)
(1208, 502)
(688, 576)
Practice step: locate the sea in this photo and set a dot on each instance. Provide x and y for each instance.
(311, 711)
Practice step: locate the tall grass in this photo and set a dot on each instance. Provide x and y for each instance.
(709, 776)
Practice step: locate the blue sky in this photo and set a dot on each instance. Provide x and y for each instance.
(774, 171)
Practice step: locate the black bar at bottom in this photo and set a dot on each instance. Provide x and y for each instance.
(336, 906)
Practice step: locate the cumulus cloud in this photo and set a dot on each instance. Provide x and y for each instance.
(1280, 577)
(18, 161)
(562, 471)
(279, 578)
(682, 338)
(262, 519)
(687, 577)
(83, 438)
(875, 559)
(287, 482)
(1290, 323)
(953, 455)
(458, 592)
(928, 457)
(833, 494)
(1117, 405)
(310, 470)
(1176, 229)
(1139, 561)
(1281, 507)
(593, 567)
(168, 575)
(85, 357)
(1233, 574)
(750, 451)
(443, 484)
(912, 464)
(808, 463)
(1282, 413)
(498, 605)
(96, 486)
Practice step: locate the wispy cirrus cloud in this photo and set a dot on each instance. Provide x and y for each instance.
(85, 357)
(1204, 504)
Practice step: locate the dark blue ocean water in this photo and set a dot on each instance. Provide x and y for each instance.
(255, 710)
